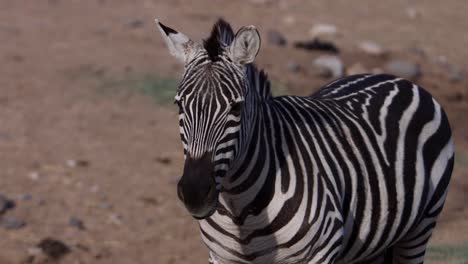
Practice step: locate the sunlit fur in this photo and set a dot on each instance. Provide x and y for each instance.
(355, 173)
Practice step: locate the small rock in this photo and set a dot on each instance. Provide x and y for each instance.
(403, 68)
(371, 48)
(135, 23)
(34, 175)
(328, 66)
(5, 136)
(420, 52)
(53, 248)
(293, 66)
(77, 163)
(115, 219)
(412, 12)
(441, 60)
(41, 202)
(276, 38)
(10, 222)
(163, 160)
(455, 74)
(94, 189)
(455, 97)
(5, 204)
(289, 20)
(149, 221)
(76, 222)
(105, 205)
(101, 31)
(150, 201)
(323, 30)
(261, 2)
(356, 68)
(34, 251)
(317, 44)
(25, 197)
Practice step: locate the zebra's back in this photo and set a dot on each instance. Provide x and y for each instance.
(385, 146)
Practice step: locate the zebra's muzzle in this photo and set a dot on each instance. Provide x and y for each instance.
(197, 187)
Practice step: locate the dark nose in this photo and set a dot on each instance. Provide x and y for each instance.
(197, 188)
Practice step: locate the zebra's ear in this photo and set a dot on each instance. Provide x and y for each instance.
(245, 46)
(180, 46)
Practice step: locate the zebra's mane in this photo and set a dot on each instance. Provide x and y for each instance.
(221, 37)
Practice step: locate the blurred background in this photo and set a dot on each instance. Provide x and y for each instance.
(89, 145)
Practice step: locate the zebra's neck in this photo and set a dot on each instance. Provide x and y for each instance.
(251, 174)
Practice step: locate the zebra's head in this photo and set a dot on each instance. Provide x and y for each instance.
(211, 105)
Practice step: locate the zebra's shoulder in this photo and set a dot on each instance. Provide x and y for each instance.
(354, 83)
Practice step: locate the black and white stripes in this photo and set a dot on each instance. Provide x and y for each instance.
(355, 173)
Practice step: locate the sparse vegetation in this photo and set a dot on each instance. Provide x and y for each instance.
(161, 88)
(461, 158)
(453, 253)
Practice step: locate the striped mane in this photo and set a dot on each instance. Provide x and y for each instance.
(221, 37)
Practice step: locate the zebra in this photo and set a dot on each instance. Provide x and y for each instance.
(357, 172)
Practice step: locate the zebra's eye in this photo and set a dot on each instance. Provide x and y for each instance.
(236, 108)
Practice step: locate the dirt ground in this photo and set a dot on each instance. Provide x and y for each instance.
(55, 55)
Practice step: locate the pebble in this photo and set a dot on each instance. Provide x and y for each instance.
(403, 68)
(420, 52)
(11, 222)
(328, 66)
(34, 251)
(371, 48)
(317, 44)
(76, 222)
(5, 136)
(323, 30)
(5, 204)
(34, 175)
(77, 163)
(53, 248)
(455, 97)
(25, 197)
(105, 205)
(356, 68)
(293, 66)
(94, 188)
(441, 60)
(289, 20)
(412, 12)
(276, 38)
(455, 74)
(115, 219)
(135, 23)
(164, 160)
(261, 2)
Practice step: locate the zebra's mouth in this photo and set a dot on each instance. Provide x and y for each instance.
(209, 205)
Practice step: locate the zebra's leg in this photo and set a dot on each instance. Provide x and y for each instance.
(412, 248)
(385, 258)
